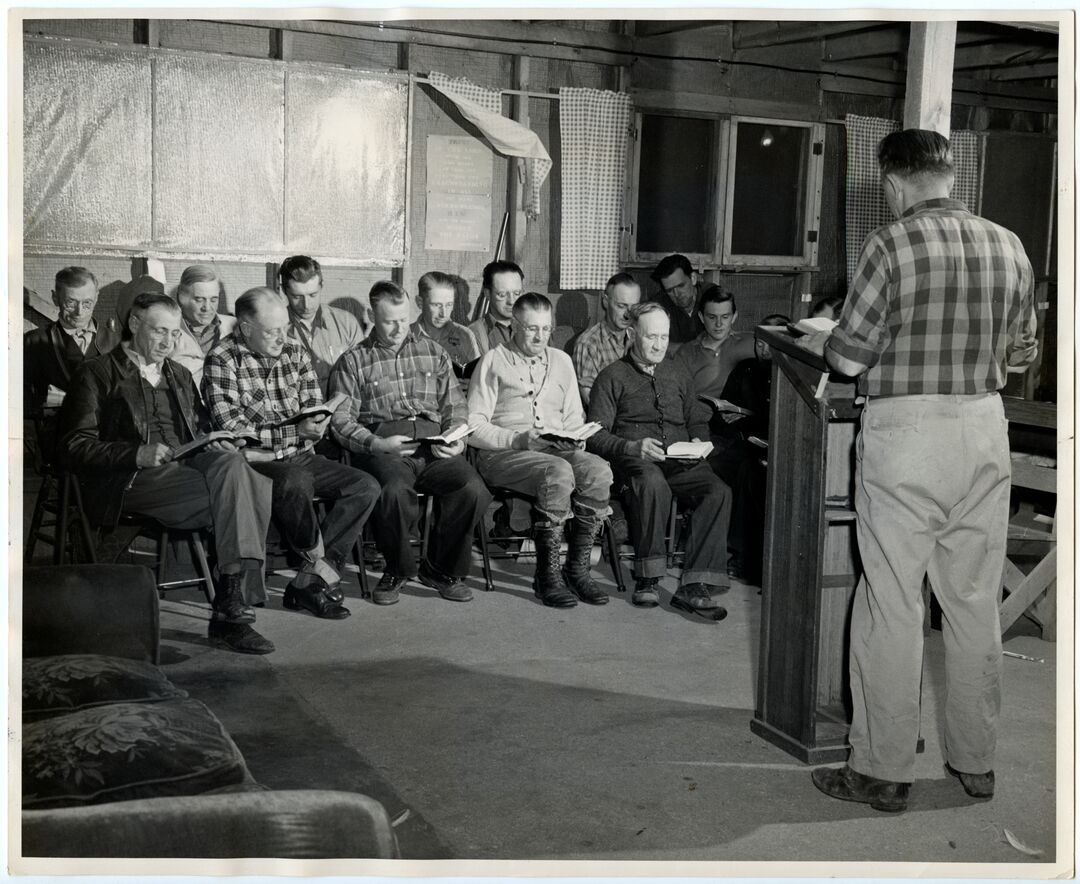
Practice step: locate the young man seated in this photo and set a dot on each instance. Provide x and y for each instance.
(256, 381)
(401, 389)
(518, 391)
(126, 413)
(645, 403)
(503, 281)
(436, 294)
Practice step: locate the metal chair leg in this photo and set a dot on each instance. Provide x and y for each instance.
(482, 531)
(613, 556)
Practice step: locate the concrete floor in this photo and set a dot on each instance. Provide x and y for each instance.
(512, 731)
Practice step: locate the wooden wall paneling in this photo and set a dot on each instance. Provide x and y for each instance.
(109, 30)
(370, 55)
(213, 36)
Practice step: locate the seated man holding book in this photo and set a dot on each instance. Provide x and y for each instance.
(650, 415)
(124, 428)
(528, 424)
(259, 381)
(402, 403)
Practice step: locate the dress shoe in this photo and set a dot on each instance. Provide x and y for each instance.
(388, 589)
(850, 785)
(312, 598)
(646, 593)
(238, 637)
(328, 571)
(695, 596)
(452, 589)
(977, 785)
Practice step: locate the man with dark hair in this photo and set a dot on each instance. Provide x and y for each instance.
(607, 341)
(940, 309)
(256, 381)
(678, 295)
(518, 392)
(401, 389)
(645, 403)
(323, 331)
(127, 412)
(53, 353)
(503, 281)
(709, 360)
(436, 293)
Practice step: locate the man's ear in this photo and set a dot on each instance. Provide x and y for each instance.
(133, 322)
(633, 333)
(55, 298)
(694, 277)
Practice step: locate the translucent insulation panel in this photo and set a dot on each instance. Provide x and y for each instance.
(218, 154)
(86, 146)
(346, 139)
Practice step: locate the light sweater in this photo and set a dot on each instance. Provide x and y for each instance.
(511, 393)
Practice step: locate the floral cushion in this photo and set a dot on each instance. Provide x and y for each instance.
(53, 685)
(127, 751)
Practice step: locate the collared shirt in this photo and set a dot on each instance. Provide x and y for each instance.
(83, 337)
(684, 326)
(329, 334)
(511, 392)
(415, 382)
(941, 301)
(596, 348)
(207, 336)
(246, 391)
(710, 367)
(150, 371)
(457, 340)
(489, 333)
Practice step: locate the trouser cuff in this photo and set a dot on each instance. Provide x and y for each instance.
(709, 578)
(588, 506)
(650, 566)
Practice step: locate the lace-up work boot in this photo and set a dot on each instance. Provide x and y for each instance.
(548, 583)
(583, 531)
(229, 600)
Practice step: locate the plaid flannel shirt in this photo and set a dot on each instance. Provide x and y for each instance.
(247, 391)
(596, 348)
(417, 381)
(942, 300)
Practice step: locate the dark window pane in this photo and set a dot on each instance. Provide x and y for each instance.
(770, 186)
(674, 187)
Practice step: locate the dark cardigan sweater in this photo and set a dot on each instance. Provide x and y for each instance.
(624, 402)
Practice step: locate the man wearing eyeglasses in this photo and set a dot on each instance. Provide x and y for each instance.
(645, 403)
(678, 295)
(518, 393)
(256, 381)
(503, 282)
(54, 353)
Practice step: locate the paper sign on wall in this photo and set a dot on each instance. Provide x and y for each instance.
(458, 214)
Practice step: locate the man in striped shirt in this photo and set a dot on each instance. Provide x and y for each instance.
(257, 381)
(607, 341)
(402, 389)
(940, 309)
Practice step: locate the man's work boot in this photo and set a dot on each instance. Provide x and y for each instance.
(229, 600)
(583, 531)
(548, 584)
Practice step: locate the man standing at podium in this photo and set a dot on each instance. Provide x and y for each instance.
(940, 309)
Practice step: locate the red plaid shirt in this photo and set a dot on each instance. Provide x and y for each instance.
(247, 391)
(941, 302)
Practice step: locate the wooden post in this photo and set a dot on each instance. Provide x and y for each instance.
(928, 101)
(516, 168)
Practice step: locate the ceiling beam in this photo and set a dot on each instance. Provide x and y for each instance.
(1047, 71)
(506, 37)
(752, 35)
(851, 47)
(712, 41)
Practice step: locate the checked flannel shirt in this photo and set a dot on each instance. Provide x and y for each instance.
(596, 348)
(416, 382)
(247, 391)
(942, 300)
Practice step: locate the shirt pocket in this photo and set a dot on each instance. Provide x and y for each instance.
(424, 386)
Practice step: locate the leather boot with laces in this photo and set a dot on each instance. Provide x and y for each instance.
(548, 583)
(577, 574)
(229, 600)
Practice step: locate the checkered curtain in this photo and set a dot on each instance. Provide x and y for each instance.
(866, 208)
(594, 127)
(483, 108)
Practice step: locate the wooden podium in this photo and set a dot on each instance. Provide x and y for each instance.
(810, 565)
